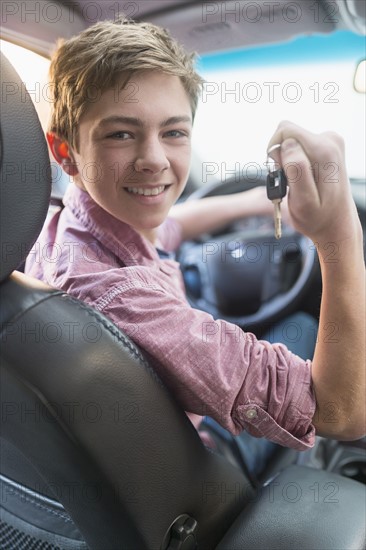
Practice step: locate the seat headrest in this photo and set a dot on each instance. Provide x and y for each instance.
(25, 174)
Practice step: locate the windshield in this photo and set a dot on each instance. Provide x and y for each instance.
(308, 80)
(248, 92)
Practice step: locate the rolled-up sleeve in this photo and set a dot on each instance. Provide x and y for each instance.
(213, 367)
(285, 416)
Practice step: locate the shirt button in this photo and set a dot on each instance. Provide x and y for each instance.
(251, 413)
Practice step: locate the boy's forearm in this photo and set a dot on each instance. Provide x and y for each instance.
(211, 213)
(339, 361)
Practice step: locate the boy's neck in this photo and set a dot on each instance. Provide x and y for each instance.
(149, 234)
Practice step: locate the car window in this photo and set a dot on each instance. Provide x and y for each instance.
(33, 71)
(308, 80)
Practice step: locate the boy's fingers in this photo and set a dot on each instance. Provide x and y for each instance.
(324, 153)
(303, 190)
(328, 146)
(287, 130)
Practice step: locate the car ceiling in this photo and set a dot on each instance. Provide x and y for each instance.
(201, 26)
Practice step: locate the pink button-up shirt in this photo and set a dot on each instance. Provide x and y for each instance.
(211, 367)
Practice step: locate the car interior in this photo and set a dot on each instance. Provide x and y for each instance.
(95, 452)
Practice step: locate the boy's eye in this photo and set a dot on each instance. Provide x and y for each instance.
(119, 135)
(176, 133)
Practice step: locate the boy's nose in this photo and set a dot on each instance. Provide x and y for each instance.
(151, 157)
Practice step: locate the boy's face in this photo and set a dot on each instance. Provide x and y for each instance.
(134, 149)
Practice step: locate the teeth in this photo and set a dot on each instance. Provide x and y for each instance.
(146, 192)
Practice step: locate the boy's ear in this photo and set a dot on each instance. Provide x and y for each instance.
(63, 156)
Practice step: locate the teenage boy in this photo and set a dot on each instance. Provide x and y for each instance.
(125, 96)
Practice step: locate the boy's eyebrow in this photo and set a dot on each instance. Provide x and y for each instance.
(138, 122)
(120, 119)
(176, 120)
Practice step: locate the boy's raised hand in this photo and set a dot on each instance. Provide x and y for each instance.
(320, 200)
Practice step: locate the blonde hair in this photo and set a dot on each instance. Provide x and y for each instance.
(97, 58)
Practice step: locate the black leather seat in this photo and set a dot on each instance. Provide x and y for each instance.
(94, 451)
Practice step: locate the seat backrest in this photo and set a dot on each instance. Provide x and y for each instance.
(89, 435)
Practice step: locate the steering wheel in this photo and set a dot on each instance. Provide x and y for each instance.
(244, 274)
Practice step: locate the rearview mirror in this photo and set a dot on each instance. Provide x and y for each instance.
(359, 82)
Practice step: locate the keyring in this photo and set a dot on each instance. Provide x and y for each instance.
(275, 146)
(271, 163)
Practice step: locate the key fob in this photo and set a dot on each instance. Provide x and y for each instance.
(276, 185)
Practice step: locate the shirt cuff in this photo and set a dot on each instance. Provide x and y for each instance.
(258, 423)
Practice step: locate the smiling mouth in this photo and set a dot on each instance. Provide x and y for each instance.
(147, 191)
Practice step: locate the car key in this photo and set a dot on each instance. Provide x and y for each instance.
(276, 190)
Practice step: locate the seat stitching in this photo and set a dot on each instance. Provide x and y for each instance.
(27, 498)
(111, 327)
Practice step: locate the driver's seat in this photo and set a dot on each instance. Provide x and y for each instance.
(94, 451)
